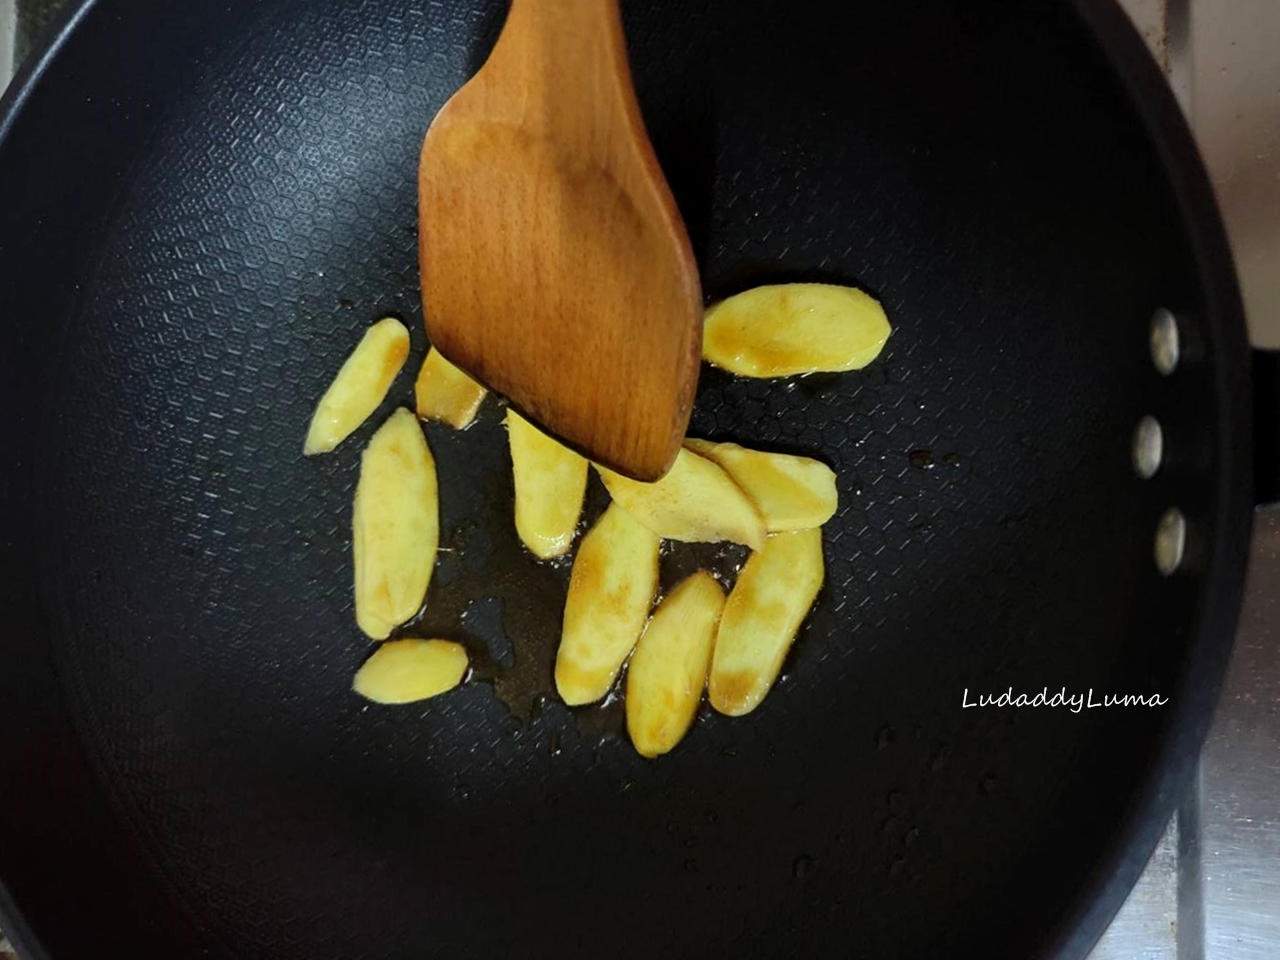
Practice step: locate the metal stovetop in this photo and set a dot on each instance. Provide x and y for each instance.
(1212, 888)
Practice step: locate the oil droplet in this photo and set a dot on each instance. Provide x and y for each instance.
(691, 866)
(712, 816)
(483, 617)
(886, 737)
(897, 865)
(803, 866)
(920, 459)
(553, 745)
(912, 836)
(987, 784)
(730, 751)
(897, 802)
(673, 827)
(604, 721)
(690, 843)
(951, 459)
(939, 759)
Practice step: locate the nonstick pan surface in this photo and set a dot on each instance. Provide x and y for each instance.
(203, 205)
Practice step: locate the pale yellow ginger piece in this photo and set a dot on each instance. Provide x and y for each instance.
(446, 393)
(550, 481)
(395, 526)
(405, 671)
(792, 328)
(764, 611)
(611, 589)
(668, 670)
(696, 502)
(793, 493)
(360, 386)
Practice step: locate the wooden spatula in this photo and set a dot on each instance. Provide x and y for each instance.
(555, 266)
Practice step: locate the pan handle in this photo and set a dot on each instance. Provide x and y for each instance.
(1266, 426)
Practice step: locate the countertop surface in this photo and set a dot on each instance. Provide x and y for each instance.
(1212, 889)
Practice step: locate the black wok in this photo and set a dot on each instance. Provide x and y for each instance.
(203, 204)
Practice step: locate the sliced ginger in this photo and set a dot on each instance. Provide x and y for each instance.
(404, 671)
(793, 493)
(550, 481)
(446, 393)
(764, 611)
(360, 386)
(668, 670)
(395, 526)
(793, 328)
(696, 638)
(696, 502)
(611, 588)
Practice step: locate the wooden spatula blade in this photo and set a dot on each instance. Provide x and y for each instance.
(555, 266)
